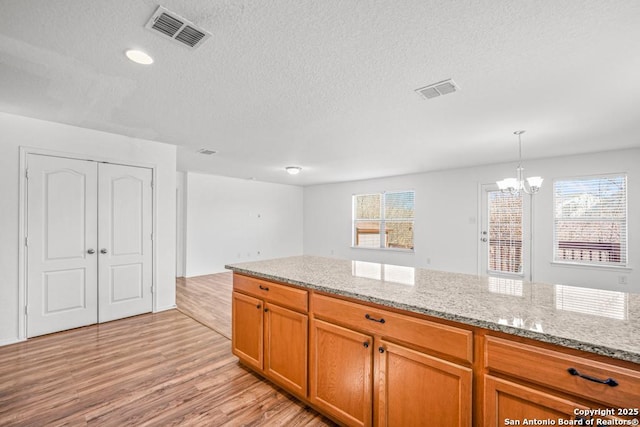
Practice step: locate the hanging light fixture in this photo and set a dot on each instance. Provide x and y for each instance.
(515, 185)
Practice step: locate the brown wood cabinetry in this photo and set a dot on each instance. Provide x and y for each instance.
(367, 365)
(341, 364)
(268, 336)
(542, 383)
(362, 373)
(508, 403)
(419, 389)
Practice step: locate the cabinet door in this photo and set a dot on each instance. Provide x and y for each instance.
(247, 331)
(285, 349)
(507, 403)
(341, 372)
(418, 389)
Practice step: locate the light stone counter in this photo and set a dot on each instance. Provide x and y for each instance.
(593, 320)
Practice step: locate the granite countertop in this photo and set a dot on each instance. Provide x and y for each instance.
(598, 321)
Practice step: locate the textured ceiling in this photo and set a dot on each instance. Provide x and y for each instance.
(329, 84)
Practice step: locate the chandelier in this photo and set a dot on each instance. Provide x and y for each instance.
(519, 183)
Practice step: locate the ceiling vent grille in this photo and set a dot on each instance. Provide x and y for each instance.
(175, 27)
(441, 88)
(206, 151)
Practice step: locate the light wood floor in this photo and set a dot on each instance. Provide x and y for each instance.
(207, 299)
(162, 369)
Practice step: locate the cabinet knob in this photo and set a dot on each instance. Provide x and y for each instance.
(258, 306)
(366, 344)
(266, 309)
(381, 349)
(91, 251)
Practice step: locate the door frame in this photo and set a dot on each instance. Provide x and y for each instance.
(22, 222)
(527, 234)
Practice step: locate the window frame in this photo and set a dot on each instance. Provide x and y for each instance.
(624, 236)
(382, 221)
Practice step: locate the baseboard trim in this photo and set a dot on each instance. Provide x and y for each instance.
(168, 307)
(11, 341)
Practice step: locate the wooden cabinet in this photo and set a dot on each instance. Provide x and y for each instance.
(542, 383)
(508, 403)
(341, 366)
(247, 334)
(419, 389)
(267, 335)
(362, 374)
(365, 365)
(285, 347)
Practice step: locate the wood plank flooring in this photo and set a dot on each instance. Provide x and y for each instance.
(162, 369)
(207, 299)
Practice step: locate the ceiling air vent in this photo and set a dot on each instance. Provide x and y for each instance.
(441, 88)
(206, 151)
(175, 27)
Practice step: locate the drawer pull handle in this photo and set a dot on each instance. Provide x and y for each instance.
(264, 288)
(381, 320)
(609, 381)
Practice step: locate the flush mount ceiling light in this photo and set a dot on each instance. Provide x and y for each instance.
(293, 170)
(139, 57)
(206, 151)
(514, 185)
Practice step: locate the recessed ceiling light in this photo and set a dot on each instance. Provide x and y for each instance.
(139, 57)
(293, 170)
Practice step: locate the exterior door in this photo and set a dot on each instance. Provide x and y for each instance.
(62, 269)
(504, 235)
(124, 238)
(88, 243)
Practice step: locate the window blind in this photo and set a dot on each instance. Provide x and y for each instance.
(590, 224)
(505, 232)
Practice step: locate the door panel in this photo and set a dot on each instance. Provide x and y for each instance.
(285, 347)
(62, 230)
(248, 329)
(341, 372)
(444, 389)
(504, 243)
(125, 225)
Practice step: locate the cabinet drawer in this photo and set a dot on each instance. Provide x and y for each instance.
(286, 296)
(428, 335)
(550, 368)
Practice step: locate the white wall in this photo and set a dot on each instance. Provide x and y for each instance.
(16, 131)
(447, 226)
(230, 220)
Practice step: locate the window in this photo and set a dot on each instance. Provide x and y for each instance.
(591, 220)
(505, 232)
(383, 220)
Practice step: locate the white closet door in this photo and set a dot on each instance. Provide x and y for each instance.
(62, 239)
(125, 227)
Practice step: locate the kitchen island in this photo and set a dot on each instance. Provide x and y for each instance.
(359, 341)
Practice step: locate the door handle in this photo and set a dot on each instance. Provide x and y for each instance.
(103, 251)
(91, 251)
